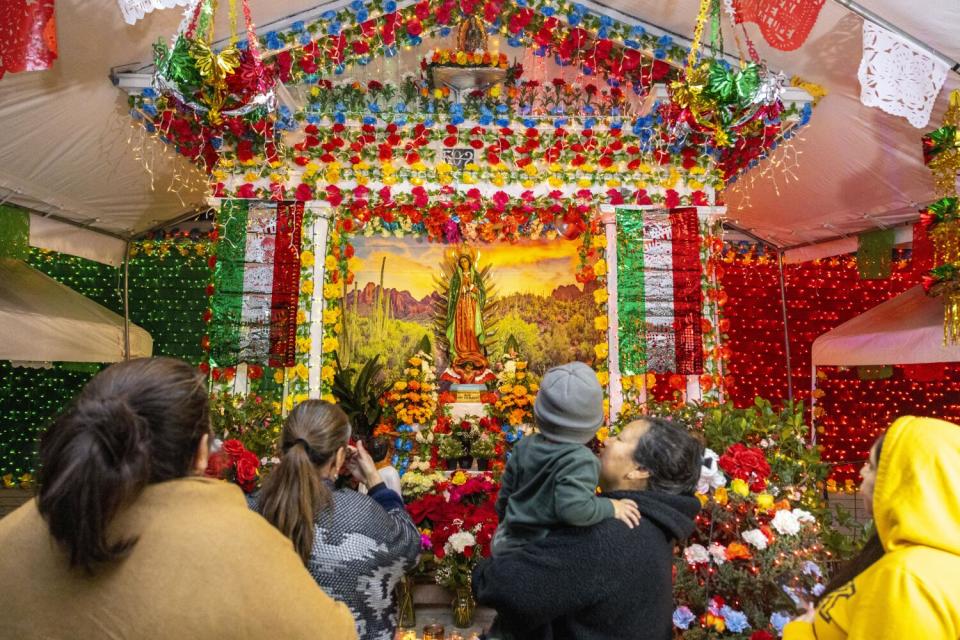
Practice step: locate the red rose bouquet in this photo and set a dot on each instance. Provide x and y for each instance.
(235, 463)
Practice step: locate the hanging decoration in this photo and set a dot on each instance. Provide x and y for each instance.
(28, 35)
(256, 284)
(898, 78)
(659, 299)
(215, 84)
(784, 24)
(722, 104)
(941, 218)
(134, 10)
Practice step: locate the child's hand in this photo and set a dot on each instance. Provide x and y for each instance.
(626, 511)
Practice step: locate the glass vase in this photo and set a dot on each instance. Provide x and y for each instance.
(463, 608)
(406, 614)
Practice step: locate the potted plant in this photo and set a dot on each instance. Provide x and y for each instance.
(450, 448)
(360, 400)
(484, 448)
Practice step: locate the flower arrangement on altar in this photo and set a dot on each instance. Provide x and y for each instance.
(413, 400)
(453, 57)
(457, 520)
(517, 388)
(234, 462)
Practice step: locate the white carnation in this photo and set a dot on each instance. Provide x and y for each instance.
(711, 477)
(460, 541)
(718, 552)
(803, 516)
(696, 554)
(755, 538)
(786, 523)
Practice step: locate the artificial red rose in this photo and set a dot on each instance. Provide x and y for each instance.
(217, 465)
(233, 448)
(746, 463)
(254, 372)
(672, 199)
(246, 190)
(360, 47)
(761, 635)
(414, 27)
(303, 192)
(246, 469)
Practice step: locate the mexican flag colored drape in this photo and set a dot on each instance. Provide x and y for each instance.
(256, 283)
(659, 295)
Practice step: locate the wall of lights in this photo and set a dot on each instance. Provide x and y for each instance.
(167, 298)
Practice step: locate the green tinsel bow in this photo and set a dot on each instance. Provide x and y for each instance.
(944, 272)
(936, 142)
(944, 209)
(179, 66)
(729, 87)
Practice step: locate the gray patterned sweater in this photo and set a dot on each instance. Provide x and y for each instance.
(363, 545)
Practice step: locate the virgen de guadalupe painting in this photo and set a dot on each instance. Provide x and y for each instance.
(472, 303)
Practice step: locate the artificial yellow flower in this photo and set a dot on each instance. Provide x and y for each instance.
(329, 397)
(600, 323)
(599, 241)
(301, 316)
(399, 385)
(600, 267)
(330, 345)
(765, 501)
(600, 296)
(720, 496)
(331, 290)
(458, 478)
(603, 378)
(603, 433)
(278, 376)
(331, 315)
(307, 287)
(326, 374)
(330, 263)
(304, 344)
(288, 403)
(415, 361)
(740, 487)
(626, 382)
(702, 498)
(602, 350)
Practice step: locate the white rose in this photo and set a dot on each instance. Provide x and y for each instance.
(696, 554)
(755, 538)
(718, 552)
(460, 541)
(786, 523)
(711, 477)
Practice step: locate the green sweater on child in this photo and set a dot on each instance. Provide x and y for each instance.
(545, 485)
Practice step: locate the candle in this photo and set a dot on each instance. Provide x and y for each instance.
(433, 632)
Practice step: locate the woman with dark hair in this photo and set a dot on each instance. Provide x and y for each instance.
(906, 580)
(357, 547)
(126, 538)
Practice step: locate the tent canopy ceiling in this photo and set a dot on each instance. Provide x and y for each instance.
(907, 329)
(42, 320)
(69, 147)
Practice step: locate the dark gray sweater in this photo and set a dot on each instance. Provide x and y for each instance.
(363, 545)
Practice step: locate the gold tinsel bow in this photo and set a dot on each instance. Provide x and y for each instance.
(215, 67)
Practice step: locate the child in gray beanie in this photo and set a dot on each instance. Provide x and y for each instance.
(551, 477)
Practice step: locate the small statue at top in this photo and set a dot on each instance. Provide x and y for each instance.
(471, 35)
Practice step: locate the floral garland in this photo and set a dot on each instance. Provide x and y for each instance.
(592, 271)
(297, 388)
(566, 31)
(714, 326)
(335, 277)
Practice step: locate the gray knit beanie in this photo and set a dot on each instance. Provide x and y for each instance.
(569, 405)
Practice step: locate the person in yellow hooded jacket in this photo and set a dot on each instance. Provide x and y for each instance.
(912, 590)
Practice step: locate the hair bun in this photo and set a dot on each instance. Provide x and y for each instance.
(122, 433)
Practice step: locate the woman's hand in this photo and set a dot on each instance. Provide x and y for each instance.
(361, 466)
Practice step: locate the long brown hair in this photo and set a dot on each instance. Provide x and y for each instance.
(135, 423)
(871, 551)
(293, 494)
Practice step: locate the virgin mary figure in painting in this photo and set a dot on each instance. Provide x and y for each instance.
(464, 316)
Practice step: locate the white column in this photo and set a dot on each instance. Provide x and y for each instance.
(609, 218)
(320, 230)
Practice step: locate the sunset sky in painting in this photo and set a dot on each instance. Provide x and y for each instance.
(530, 266)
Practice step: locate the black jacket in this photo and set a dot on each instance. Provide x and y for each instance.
(592, 583)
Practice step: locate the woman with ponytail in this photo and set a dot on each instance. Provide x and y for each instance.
(357, 547)
(127, 539)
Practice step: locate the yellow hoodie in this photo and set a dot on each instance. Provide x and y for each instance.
(913, 591)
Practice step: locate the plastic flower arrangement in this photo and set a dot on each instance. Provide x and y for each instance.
(248, 418)
(753, 558)
(518, 389)
(235, 463)
(458, 518)
(413, 400)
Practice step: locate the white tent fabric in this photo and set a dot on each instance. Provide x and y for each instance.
(42, 320)
(907, 329)
(65, 141)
